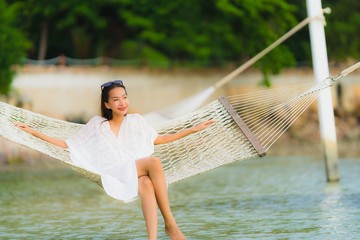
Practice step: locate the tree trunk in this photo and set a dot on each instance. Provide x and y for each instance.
(43, 40)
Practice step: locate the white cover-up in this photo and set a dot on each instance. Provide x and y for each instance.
(96, 148)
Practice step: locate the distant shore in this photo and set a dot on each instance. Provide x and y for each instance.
(53, 90)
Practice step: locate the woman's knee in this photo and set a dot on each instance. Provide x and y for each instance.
(146, 165)
(156, 163)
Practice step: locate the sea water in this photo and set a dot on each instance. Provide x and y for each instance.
(267, 198)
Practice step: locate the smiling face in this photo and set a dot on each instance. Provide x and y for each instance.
(118, 102)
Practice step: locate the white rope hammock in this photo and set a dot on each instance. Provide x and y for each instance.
(246, 126)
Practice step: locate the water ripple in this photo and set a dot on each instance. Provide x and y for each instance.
(271, 198)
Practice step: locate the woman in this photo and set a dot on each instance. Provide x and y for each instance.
(118, 146)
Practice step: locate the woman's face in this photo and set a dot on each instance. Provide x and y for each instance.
(118, 101)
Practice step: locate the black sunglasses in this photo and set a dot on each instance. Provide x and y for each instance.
(108, 84)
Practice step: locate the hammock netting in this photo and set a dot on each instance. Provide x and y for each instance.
(267, 114)
(245, 127)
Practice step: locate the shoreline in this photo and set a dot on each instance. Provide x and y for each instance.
(52, 90)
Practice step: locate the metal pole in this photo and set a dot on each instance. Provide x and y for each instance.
(321, 71)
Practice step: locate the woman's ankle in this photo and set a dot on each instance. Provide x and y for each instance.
(170, 223)
(174, 232)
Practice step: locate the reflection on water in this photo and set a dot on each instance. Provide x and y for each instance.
(269, 198)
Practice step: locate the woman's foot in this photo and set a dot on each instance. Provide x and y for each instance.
(174, 232)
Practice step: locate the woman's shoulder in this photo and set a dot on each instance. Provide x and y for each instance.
(135, 117)
(96, 120)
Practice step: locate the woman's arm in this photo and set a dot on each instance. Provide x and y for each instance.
(176, 136)
(54, 141)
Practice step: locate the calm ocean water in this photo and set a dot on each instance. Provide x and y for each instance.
(268, 198)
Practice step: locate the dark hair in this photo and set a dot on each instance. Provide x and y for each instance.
(105, 112)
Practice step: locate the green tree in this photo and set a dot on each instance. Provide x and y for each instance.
(210, 31)
(67, 26)
(204, 32)
(343, 30)
(12, 45)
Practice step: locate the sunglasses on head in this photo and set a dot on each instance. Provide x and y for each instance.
(108, 84)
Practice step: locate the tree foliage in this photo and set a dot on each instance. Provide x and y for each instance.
(12, 45)
(169, 32)
(343, 30)
(178, 33)
(208, 32)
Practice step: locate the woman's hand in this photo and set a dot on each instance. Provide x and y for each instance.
(24, 127)
(57, 142)
(175, 136)
(202, 126)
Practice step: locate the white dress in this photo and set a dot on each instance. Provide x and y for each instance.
(96, 148)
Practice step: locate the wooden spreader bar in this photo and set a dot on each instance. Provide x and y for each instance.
(248, 134)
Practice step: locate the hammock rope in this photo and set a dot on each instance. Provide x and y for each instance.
(247, 125)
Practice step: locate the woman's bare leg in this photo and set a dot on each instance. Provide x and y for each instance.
(149, 206)
(152, 167)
